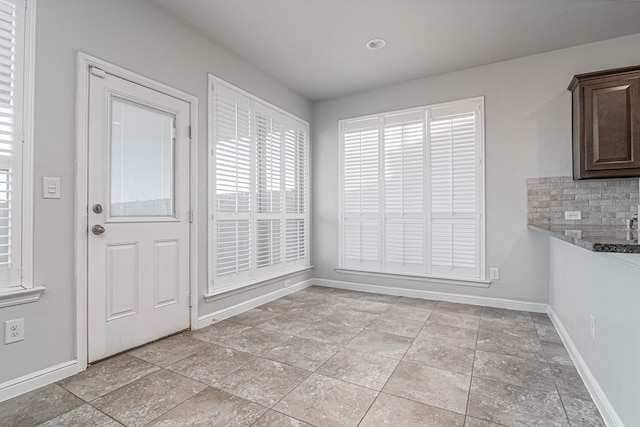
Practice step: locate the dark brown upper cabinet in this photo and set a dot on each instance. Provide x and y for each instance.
(606, 123)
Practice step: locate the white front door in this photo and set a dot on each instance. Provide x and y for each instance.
(138, 213)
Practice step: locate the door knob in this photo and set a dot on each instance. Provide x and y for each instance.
(97, 229)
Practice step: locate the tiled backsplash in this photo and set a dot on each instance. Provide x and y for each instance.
(601, 201)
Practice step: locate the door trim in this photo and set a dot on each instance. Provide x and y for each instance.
(83, 63)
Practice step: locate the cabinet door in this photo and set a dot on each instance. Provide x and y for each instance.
(612, 121)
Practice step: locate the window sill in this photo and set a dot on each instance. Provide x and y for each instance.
(243, 287)
(461, 281)
(19, 295)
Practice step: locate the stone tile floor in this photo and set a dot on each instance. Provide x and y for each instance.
(329, 357)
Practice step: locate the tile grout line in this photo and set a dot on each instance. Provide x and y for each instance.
(203, 383)
(107, 415)
(396, 368)
(555, 384)
(473, 365)
(325, 319)
(564, 409)
(90, 402)
(394, 371)
(150, 373)
(316, 372)
(343, 347)
(278, 412)
(266, 358)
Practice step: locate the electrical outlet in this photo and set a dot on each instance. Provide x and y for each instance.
(287, 283)
(13, 330)
(592, 326)
(573, 215)
(573, 233)
(494, 273)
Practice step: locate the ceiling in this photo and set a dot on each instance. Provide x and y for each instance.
(317, 47)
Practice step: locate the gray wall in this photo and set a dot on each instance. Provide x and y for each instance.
(584, 283)
(528, 134)
(143, 39)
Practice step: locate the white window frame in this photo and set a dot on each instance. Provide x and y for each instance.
(24, 291)
(378, 271)
(285, 268)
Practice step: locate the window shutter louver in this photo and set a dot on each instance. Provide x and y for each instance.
(5, 219)
(295, 142)
(7, 65)
(453, 139)
(233, 181)
(404, 192)
(361, 194)
(268, 143)
(259, 206)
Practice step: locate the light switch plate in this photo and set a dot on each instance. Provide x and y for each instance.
(50, 188)
(494, 273)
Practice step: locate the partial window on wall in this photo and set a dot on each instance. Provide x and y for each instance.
(16, 50)
(412, 192)
(259, 190)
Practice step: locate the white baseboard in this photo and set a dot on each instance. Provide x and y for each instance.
(38, 379)
(609, 414)
(438, 296)
(216, 316)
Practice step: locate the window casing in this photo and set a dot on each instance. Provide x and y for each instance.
(259, 190)
(16, 77)
(412, 192)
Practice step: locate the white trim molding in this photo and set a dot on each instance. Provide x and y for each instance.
(463, 281)
(38, 379)
(28, 124)
(609, 414)
(217, 316)
(20, 270)
(244, 287)
(437, 296)
(20, 295)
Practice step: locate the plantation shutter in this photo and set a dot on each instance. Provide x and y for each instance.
(259, 197)
(233, 160)
(295, 181)
(269, 227)
(454, 143)
(11, 93)
(7, 66)
(361, 194)
(404, 175)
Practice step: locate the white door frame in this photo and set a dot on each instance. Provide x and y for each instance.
(85, 61)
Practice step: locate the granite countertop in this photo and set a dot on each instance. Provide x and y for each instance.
(596, 238)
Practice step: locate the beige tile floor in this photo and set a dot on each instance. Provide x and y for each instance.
(328, 357)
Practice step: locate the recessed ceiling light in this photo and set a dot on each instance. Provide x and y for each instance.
(375, 44)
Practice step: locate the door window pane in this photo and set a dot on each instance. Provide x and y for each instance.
(142, 161)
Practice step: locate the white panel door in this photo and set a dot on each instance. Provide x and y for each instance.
(138, 211)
